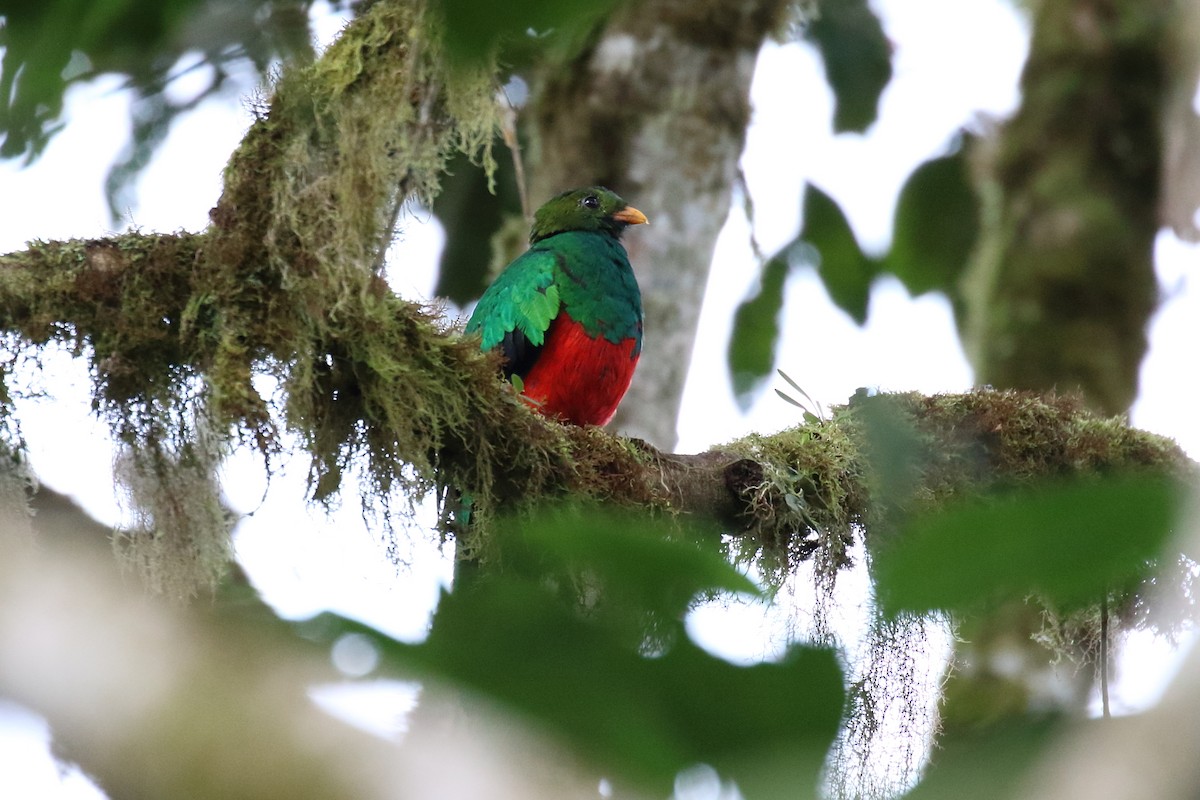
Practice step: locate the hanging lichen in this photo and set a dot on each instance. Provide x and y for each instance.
(287, 280)
(180, 539)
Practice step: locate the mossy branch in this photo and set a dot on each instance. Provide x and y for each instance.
(286, 282)
(427, 408)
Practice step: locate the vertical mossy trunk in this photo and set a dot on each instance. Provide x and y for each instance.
(1063, 285)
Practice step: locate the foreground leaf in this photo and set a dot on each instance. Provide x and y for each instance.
(642, 708)
(642, 718)
(474, 28)
(991, 764)
(50, 45)
(1069, 543)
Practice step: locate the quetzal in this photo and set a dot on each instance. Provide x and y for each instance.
(567, 313)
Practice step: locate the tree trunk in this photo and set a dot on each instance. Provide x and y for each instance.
(1064, 285)
(657, 109)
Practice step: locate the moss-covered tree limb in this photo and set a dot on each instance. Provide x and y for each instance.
(299, 232)
(427, 408)
(311, 195)
(286, 281)
(75, 290)
(1063, 285)
(121, 296)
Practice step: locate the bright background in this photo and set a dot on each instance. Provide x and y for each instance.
(956, 65)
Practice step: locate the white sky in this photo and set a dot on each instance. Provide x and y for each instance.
(942, 81)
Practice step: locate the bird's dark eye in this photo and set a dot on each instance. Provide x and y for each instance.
(591, 201)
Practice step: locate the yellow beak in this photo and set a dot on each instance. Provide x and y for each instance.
(631, 216)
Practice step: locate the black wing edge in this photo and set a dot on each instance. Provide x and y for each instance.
(520, 354)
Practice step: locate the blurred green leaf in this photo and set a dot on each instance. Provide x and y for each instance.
(647, 571)
(894, 450)
(857, 57)
(1069, 543)
(471, 215)
(755, 335)
(475, 27)
(653, 558)
(48, 46)
(827, 242)
(532, 633)
(936, 226)
(645, 718)
(991, 764)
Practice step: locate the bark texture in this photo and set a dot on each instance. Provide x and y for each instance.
(1064, 283)
(656, 109)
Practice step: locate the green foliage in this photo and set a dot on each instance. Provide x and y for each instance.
(580, 630)
(50, 46)
(755, 335)
(934, 233)
(630, 552)
(894, 450)
(988, 764)
(827, 242)
(857, 60)
(1068, 543)
(936, 226)
(478, 31)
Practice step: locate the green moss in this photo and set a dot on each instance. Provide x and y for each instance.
(826, 481)
(1070, 195)
(287, 281)
(808, 500)
(343, 142)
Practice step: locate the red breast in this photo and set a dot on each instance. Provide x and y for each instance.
(577, 378)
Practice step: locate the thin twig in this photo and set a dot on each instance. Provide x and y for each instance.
(508, 129)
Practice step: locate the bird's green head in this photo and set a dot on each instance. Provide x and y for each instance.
(590, 209)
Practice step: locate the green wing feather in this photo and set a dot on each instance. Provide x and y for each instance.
(524, 298)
